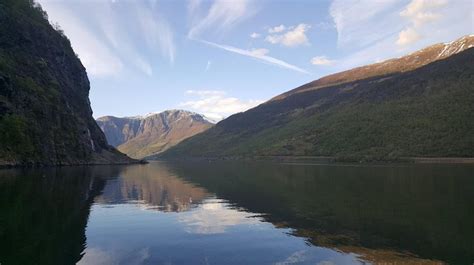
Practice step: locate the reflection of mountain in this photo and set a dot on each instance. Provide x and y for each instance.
(381, 213)
(153, 185)
(43, 213)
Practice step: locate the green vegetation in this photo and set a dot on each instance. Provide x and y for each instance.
(426, 112)
(45, 113)
(14, 135)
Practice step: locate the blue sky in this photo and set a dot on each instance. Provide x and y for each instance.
(224, 56)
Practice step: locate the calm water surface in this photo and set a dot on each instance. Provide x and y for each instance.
(238, 213)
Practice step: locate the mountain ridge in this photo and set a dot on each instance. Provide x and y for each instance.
(422, 112)
(150, 134)
(403, 63)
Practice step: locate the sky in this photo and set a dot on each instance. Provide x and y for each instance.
(219, 57)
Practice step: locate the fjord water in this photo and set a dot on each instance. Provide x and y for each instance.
(238, 213)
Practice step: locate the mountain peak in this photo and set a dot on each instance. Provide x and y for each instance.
(145, 135)
(164, 114)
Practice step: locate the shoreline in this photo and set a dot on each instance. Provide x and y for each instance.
(331, 159)
(40, 165)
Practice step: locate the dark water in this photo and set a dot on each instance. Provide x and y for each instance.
(238, 213)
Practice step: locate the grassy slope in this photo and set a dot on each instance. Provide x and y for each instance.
(425, 112)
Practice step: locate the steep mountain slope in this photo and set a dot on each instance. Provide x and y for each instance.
(45, 113)
(403, 64)
(427, 112)
(144, 136)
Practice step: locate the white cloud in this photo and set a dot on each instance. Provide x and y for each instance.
(422, 11)
(221, 16)
(321, 60)
(408, 36)
(295, 36)
(255, 35)
(419, 13)
(277, 29)
(259, 54)
(215, 104)
(106, 42)
(370, 31)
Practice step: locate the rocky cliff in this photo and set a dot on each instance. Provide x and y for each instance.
(154, 133)
(45, 113)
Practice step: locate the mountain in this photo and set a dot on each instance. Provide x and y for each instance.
(398, 65)
(417, 105)
(154, 133)
(45, 113)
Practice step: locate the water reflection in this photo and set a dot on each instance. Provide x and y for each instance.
(153, 187)
(238, 213)
(43, 213)
(397, 214)
(215, 216)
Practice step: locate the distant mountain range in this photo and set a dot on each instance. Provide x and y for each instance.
(417, 105)
(142, 136)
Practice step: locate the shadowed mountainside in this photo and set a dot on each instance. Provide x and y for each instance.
(45, 113)
(423, 112)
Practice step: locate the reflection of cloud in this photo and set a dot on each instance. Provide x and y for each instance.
(214, 217)
(297, 257)
(326, 262)
(98, 256)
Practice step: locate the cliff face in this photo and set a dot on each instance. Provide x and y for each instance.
(152, 134)
(45, 113)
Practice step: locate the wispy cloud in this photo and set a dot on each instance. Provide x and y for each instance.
(362, 22)
(255, 35)
(370, 31)
(259, 54)
(321, 60)
(109, 36)
(221, 16)
(216, 104)
(208, 66)
(277, 29)
(290, 37)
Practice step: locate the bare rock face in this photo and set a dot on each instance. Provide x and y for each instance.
(398, 65)
(154, 133)
(45, 113)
